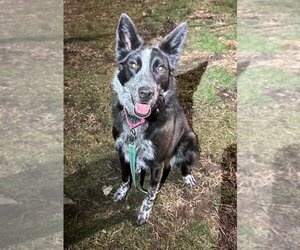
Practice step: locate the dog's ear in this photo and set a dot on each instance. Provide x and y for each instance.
(172, 43)
(127, 38)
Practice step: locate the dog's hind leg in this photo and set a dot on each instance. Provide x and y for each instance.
(165, 175)
(126, 180)
(142, 178)
(155, 178)
(186, 156)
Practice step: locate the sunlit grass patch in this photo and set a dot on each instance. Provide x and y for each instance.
(175, 11)
(215, 127)
(197, 236)
(249, 40)
(271, 76)
(203, 39)
(254, 80)
(223, 6)
(212, 78)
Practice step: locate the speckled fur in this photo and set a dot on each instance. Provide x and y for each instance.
(145, 148)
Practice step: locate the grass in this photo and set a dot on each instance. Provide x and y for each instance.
(175, 11)
(203, 39)
(249, 40)
(213, 78)
(197, 234)
(254, 82)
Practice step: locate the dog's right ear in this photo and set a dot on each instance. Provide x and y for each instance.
(127, 38)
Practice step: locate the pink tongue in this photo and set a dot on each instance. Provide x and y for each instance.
(142, 109)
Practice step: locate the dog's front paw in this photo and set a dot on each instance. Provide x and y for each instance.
(145, 210)
(189, 180)
(121, 191)
(143, 217)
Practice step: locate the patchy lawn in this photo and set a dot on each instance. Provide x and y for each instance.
(183, 218)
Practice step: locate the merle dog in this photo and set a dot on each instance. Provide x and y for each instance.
(147, 114)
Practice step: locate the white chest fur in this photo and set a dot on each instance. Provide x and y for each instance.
(145, 148)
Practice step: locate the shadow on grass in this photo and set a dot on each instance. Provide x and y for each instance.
(94, 212)
(88, 38)
(86, 230)
(284, 212)
(187, 84)
(32, 205)
(227, 236)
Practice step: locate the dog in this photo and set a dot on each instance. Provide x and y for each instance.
(147, 115)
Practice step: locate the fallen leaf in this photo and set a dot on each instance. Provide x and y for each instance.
(106, 190)
(68, 201)
(7, 201)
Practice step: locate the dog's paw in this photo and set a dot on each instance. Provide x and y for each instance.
(143, 217)
(121, 191)
(189, 180)
(145, 210)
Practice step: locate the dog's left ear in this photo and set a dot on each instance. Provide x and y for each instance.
(172, 43)
(127, 38)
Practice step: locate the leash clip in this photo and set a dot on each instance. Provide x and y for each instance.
(132, 135)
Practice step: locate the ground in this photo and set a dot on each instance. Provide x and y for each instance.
(203, 217)
(268, 124)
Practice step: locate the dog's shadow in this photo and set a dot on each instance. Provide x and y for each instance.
(187, 83)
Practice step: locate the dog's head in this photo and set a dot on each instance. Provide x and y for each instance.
(144, 73)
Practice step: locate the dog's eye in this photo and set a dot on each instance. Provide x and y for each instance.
(161, 69)
(133, 65)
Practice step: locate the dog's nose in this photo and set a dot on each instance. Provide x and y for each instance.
(145, 93)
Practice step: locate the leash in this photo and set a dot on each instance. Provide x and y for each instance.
(132, 149)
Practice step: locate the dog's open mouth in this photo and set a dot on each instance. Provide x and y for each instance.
(142, 110)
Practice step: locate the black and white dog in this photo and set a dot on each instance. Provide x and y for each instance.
(147, 114)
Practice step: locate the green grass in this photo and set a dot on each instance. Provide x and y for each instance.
(197, 234)
(249, 40)
(175, 11)
(212, 78)
(221, 7)
(254, 80)
(265, 113)
(204, 40)
(229, 34)
(270, 76)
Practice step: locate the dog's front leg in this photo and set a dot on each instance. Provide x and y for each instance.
(126, 180)
(155, 178)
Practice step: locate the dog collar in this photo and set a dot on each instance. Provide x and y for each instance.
(133, 125)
